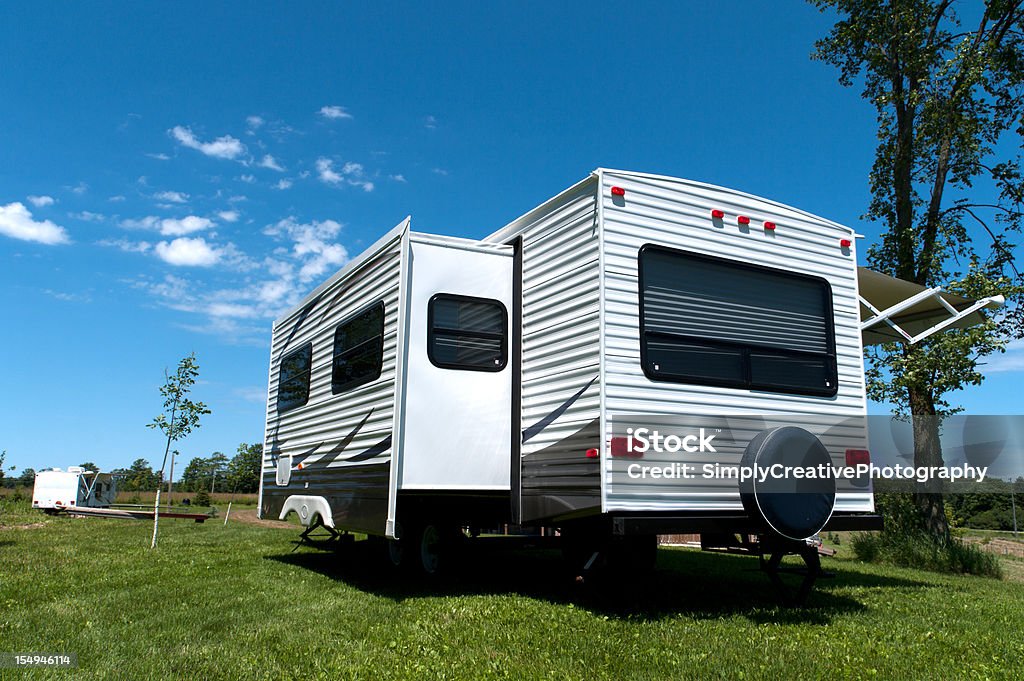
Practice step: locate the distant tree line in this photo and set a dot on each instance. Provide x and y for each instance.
(217, 473)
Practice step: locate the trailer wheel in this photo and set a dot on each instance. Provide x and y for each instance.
(395, 550)
(431, 550)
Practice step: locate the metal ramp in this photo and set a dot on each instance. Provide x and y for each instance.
(892, 309)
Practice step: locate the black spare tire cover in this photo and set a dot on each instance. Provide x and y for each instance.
(795, 508)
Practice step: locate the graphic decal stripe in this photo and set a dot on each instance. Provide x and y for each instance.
(536, 428)
(379, 448)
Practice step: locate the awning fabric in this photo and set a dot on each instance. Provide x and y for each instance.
(892, 309)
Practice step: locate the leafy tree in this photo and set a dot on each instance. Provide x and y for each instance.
(947, 101)
(3, 456)
(139, 477)
(194, 474)
(179, 418)
(216, 472)
(90, 466)
(27, 477)
(244, 469)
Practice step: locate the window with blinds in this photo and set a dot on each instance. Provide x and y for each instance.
(712, 321)
(358, 350)
(467, 333)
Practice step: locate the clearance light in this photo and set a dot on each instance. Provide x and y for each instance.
(845, 243)
(300, 466)
(618, 191)
(769, 226)
(856, 457)
(620, 447)
(717, 214)
(592, 454)
(743, 220)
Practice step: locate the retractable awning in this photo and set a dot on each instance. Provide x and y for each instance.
(892, 309)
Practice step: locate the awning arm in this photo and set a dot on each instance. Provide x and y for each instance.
(886, 315)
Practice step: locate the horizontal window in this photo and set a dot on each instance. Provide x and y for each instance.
(358, 350)
(712, 321)
(293, 378)
(467, 333)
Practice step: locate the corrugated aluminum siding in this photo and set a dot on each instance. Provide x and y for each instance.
(677, 214)
(310, 432)
(561, 344)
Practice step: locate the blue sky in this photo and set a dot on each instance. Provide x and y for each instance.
(173, 177)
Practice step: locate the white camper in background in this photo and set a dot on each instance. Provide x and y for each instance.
(436, 383)
(59, 490)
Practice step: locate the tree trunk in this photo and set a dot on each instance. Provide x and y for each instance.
(928, 452)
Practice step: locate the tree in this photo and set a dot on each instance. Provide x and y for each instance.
(179, 418)
(244, 469)
(216, 472)
(945, 183)
(89, 466)
(27, 477)
(194, 474)
(139, 477)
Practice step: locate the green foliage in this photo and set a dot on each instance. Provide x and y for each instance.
(243, 474)
(90, 466)
(906, 542)
(139, 477)
(181, 415)
(27, 477)
(202, 498)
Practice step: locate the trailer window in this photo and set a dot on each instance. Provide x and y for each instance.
(293, 381)
(711, 321)
(467, 333)
(358, 350)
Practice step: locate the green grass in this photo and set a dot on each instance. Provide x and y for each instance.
(215, 602)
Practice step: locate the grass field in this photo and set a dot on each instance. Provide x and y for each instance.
(216, 602)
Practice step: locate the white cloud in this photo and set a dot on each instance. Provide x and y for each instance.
(269, 161)
(398, 178)
(69, 297)
(170, 226)
(351, 173)
(173, 197)
(248, 179)
(325, 169)
(80, 188)
(1011, 360)
(283, 184)
(88, 216)
(439, 171)
(430, 123)
(16, 222)
(127, 246)
(160, 157)
(312, 245)
(225, 146)
(334, 112)
(228, 215)
(41, 201)
(254, 122)
(116, 199)
(188, 252)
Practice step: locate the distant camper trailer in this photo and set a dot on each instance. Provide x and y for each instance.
(438, 383)
(61, 490)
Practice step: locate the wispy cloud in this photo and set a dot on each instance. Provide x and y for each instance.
(312, 244)
(127, 246)
(430, 123)
(228, 215)
(41, 201)
(269, 161)
(439, 171)
(398, 178)
(226, 146)
(283, 184)
(254, 122)
(16, 222)
(79, 188)
(188, 252)
(334, 112)
(351, 173)
(88, 216)
(160, 157)
(79, 297)
(173, 197)
(256, 394)
(248, 179)
(170, 226)
(1011, 360)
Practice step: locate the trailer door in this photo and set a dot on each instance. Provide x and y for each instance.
(458, 391)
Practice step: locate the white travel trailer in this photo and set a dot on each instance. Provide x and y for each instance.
(60, 490)
(437, 383)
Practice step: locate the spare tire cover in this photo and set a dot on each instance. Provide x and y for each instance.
(795, 508)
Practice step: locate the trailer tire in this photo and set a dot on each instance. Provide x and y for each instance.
(432, 549)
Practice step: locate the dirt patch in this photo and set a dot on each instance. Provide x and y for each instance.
(1002, 547)
(248, 517)
(26, 526)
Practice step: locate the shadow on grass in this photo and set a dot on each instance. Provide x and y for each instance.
(6, 542)
(693, 583)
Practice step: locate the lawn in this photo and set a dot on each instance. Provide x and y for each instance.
(216, 602)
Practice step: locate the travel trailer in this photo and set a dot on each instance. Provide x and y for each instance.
(436, 385)
(60, 490)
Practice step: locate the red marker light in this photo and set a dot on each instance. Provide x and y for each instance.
(620, 447)
(770, 226)
(845, 243)
(743, 220)
(717, 214)
(592, 454)
(856, 457)
(618, 191)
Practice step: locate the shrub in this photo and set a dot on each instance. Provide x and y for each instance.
(905, 542)
(202, 498)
